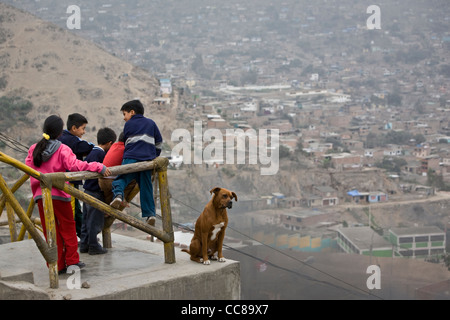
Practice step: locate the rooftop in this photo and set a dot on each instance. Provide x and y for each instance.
(416, 230)
(365, 238)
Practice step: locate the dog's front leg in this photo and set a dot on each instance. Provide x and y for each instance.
(205, 248)
(219, 246)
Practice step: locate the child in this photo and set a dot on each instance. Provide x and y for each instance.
(143, 142)
(94, 219)
(76, 128)
(50, 155)
(114, 158)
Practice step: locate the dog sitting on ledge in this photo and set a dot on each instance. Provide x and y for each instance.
(210, 228)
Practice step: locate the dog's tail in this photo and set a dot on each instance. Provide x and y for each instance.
(186, 250)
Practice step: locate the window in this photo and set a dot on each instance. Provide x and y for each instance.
(422, 252)
(421, 239)
(405, 239)
(437, 238)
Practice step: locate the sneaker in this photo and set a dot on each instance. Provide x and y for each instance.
(62, 271)
(151, 221)
(84, 249)
(117, 201)
(80, 265)
(94, 251)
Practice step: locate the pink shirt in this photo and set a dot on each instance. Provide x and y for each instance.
(61, 161)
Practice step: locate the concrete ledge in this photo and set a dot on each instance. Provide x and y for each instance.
(17, 274)
(132, 269)
(21, 290)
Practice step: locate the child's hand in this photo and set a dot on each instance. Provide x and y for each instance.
(107, 172)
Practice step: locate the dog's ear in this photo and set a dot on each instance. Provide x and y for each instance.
(215, 190)
(234, 195)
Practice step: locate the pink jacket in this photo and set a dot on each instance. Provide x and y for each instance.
(62, 160)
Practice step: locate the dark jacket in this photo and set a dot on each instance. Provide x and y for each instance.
(80, 147)
(143, 140)
(96, 155)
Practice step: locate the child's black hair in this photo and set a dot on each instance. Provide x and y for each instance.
(53, 127)
(135, 105)
(75, 119)
(105, 135)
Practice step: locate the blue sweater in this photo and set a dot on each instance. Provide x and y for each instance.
(80, 147)
(143, 140)
(96, 155)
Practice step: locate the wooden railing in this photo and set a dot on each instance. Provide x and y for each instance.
(58, 180)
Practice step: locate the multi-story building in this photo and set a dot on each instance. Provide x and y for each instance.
(417, 242)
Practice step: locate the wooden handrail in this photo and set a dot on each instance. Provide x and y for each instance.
(59, 180)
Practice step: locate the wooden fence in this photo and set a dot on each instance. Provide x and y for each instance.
(59, 180)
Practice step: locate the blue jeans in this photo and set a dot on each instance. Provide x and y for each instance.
(144, 181)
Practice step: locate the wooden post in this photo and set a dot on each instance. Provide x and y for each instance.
(169, 249)
(29, 213)
(51, 233)
(109, 220)
(11, 222)
(106, 232)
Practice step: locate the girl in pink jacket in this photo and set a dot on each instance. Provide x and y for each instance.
(50, 155)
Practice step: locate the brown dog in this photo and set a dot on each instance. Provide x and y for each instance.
(210, 227)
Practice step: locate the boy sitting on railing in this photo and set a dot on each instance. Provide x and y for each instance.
(143, 142)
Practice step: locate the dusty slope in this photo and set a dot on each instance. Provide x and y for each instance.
(62, 73)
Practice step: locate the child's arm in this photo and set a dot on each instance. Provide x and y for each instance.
(71, 163)
(82, 147)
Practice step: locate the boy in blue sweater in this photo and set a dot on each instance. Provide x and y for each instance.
(143, 142)
(94, 219)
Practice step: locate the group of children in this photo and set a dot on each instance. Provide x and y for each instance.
(63, 150)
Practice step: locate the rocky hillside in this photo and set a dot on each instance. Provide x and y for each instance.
(61, 73)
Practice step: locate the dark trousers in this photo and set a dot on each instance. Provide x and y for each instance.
(93, 221)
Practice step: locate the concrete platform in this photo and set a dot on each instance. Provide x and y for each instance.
(132, 269)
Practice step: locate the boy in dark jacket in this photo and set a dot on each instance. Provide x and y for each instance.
(76, 128)
(94, 219)
(143, 142)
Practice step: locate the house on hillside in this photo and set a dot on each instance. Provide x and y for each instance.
(345, 161)
(165, 87)
(367, 197)
(377, 196)
(296, 220)
(328, 196)
(358, 197)
(429, 163)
